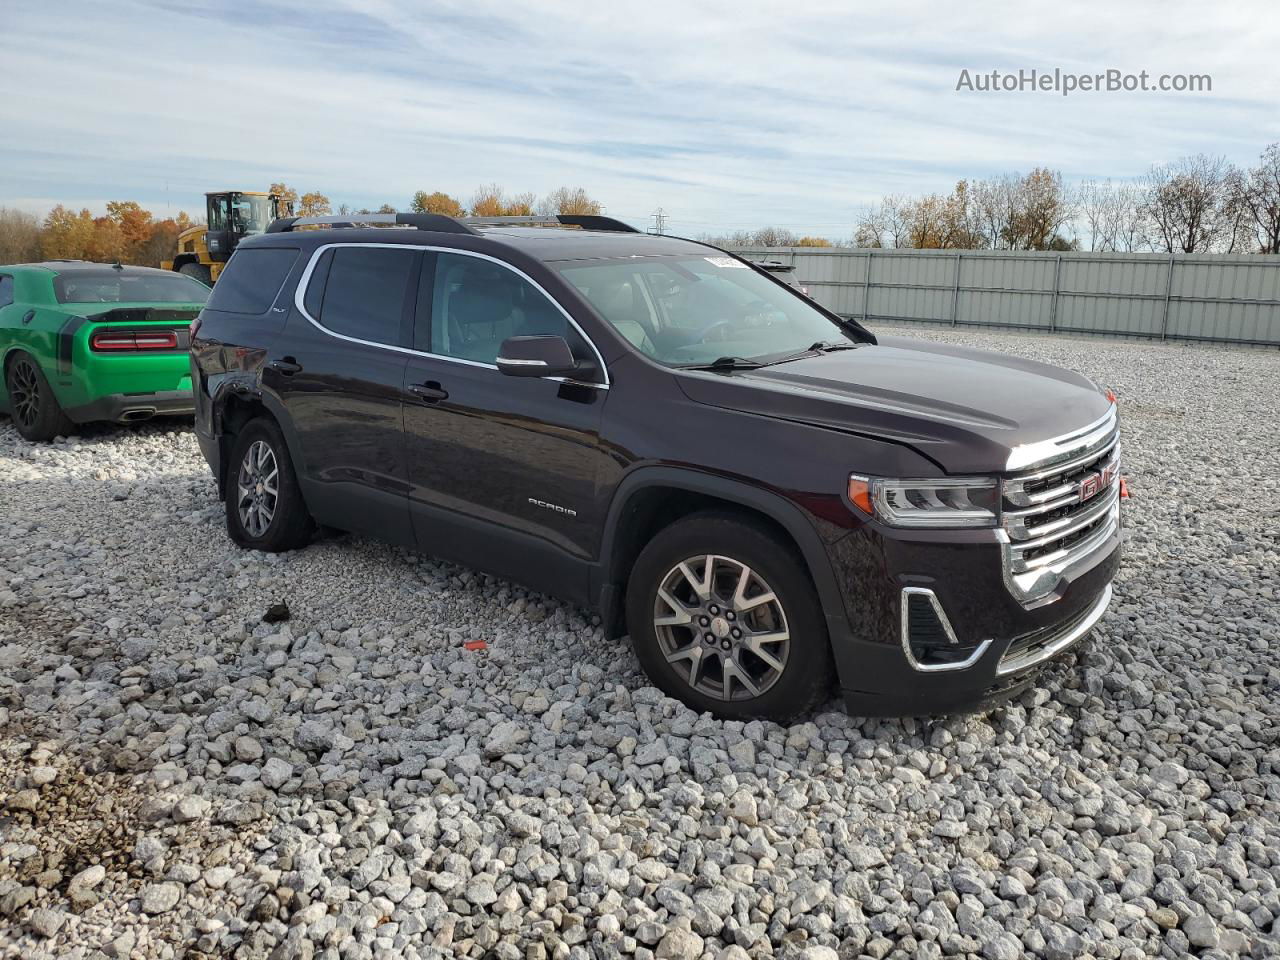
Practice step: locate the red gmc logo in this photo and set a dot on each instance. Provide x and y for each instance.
(1095, 483)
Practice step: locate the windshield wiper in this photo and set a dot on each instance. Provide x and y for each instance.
(822, 346)
(724, 363)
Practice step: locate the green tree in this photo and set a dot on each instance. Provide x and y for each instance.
(437, 202)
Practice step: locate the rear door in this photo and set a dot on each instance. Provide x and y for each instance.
(502, 469)
(339, 369)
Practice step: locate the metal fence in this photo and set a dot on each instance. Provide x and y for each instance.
(1222, 298)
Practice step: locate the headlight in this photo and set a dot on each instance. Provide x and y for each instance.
(949, 502)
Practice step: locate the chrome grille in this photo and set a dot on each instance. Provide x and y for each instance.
(1057, 514)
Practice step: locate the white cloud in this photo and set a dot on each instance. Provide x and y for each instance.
(726, 114)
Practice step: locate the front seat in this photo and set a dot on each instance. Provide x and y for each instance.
(482, 314)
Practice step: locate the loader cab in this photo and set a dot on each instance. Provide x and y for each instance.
(236, 214)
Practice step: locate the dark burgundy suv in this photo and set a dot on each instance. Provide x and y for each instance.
(766, 496)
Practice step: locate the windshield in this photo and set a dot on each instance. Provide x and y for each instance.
(694, 310)
(116, 286)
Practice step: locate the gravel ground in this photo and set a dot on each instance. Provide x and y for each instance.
(180, 779)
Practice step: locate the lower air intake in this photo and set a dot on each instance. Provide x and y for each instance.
(927, 637)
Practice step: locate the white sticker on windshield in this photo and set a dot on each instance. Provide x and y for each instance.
(725, 262)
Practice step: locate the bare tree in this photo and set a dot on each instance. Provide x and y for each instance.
(569, 200)
(1260, 200)
(1112, 216)
(1187, 204)
(19, 236)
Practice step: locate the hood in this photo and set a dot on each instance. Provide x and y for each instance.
(965, 409)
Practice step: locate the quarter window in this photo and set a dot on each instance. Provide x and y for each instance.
(6, 291)
(476, 304)
(252, 278)
(365, 291)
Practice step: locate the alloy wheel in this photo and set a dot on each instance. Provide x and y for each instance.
(722, 627)
(24, 392)
(257, 488)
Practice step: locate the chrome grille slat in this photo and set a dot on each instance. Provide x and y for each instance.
(1074, 521)
(1015, 488)
(1048, 531)
(1082, 547)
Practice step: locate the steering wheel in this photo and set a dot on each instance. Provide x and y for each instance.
(706, 334)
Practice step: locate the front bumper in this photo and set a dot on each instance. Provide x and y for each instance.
(1011, 643)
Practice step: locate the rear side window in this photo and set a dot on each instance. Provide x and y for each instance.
(252, 279)
(365, 293)
(6, 291)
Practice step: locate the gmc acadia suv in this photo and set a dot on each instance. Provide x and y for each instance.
(762, 493)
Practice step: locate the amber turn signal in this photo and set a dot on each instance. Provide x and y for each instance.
(860, 493)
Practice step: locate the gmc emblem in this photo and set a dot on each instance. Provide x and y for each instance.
(1095, 483)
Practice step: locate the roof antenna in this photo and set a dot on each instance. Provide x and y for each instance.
(117, 265)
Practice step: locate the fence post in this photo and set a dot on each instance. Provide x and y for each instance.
(1053, 305)
(955, 291)
(866, 288)
(1168, 293)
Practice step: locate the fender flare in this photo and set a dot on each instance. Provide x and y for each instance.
(606, 586)
(238, 389)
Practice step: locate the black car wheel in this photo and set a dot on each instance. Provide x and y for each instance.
(265, 509)
(723, 616)
(35, 410)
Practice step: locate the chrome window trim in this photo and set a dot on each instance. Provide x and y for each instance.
(300, 291)
(1058, 644)
(905, 634)
(1046, 453)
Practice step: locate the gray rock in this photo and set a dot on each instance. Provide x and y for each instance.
(160, 898)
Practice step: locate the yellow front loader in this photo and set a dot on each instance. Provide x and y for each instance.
(232, 216)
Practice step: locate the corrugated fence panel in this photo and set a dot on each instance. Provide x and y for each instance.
(1228, 298)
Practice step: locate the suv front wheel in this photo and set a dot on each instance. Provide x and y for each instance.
(265, 510)
(723, 616)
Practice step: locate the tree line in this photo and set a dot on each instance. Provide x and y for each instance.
(1197, 204)
(130, 234)
(490, 200)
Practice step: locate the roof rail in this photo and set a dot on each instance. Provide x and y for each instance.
(441, 224)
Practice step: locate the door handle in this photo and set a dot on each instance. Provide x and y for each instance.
(431, 391)
(288, 366)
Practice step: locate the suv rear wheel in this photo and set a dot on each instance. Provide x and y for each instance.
(265, 510)
(723, 616)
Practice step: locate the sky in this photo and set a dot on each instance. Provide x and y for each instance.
(725, 115)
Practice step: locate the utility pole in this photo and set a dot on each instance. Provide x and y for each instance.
(659, 217)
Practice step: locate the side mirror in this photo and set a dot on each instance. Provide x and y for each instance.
(536, 357)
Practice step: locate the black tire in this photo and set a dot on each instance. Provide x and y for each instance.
(36, 412)
(289, 525)
(805, 678)
(197, 271)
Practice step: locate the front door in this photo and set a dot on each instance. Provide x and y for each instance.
(339, 368)
(502, 470)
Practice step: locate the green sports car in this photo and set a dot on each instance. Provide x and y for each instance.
(86, 341)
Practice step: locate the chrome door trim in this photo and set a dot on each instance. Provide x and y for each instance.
(299, 295)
